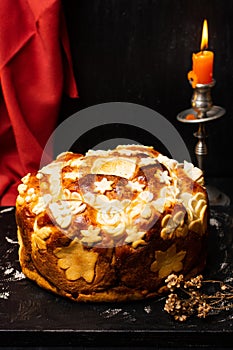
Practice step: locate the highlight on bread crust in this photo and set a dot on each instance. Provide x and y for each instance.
(111, 225)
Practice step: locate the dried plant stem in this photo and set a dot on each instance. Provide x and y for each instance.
(189, 300)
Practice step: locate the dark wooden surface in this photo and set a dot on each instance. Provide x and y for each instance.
(140, 51)
(31, 316)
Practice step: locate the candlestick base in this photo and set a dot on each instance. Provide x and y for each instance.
(217, 197)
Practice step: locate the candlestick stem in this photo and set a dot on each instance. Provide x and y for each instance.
(201, 150)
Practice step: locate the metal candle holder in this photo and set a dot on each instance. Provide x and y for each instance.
(203, 111)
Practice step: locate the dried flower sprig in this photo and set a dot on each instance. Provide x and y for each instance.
(187, 298)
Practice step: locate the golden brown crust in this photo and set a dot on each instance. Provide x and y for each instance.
(111, 226)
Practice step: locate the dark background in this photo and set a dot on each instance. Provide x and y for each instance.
(140, 51)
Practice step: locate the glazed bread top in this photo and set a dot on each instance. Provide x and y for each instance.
(115, 197)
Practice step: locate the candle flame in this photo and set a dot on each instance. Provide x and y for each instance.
(204, 38)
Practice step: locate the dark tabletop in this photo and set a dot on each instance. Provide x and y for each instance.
(32, 316)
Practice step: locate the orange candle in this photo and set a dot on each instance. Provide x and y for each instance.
(202, 72)
(203, 66)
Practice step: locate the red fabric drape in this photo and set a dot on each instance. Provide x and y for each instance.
(35, 69)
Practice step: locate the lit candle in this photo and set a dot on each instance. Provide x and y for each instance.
(202, 72)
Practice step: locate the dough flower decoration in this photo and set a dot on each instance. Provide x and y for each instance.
(73, 202)
(41, 204)
(164, 177)
(196, 207)
(39, 238)
(103, 185)
(173, 225)
(76, 261)
(134, 235)
(91, 235)
(142, 206)
(135, 186)
(168, 261)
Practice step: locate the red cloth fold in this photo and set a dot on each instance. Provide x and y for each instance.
(35, 69)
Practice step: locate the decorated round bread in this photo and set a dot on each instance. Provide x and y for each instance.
(112, 225)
